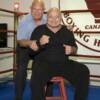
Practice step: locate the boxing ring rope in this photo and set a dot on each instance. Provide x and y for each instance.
(75, 32)
(18, 14)
(13, 12)
(9, 31)
(63, 11)
(5, 71)
(81, 11)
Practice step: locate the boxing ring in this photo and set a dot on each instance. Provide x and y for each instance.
(11, 51)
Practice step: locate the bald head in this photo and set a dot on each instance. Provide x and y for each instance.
(38, 2)
(54, 18)
(37, 9)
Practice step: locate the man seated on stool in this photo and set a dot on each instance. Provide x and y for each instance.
(52, 58)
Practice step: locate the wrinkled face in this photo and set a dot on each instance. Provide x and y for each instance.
(37, 11)
(54, 18)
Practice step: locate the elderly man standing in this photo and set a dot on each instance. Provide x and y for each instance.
(25, 28)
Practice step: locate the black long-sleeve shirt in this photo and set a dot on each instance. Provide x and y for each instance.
(54, 50)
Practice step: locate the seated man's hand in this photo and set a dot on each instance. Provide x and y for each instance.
(70, 49)
(44, 40)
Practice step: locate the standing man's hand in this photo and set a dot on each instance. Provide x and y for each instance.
(34, 46)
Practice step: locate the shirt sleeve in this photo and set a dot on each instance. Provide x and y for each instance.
(25, 27)
(71, 39)
(36, 34)
(22, 31)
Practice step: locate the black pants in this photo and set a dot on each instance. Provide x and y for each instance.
(76, 73)
(22, 59)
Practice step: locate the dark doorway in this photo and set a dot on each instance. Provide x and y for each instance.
(3, 35)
